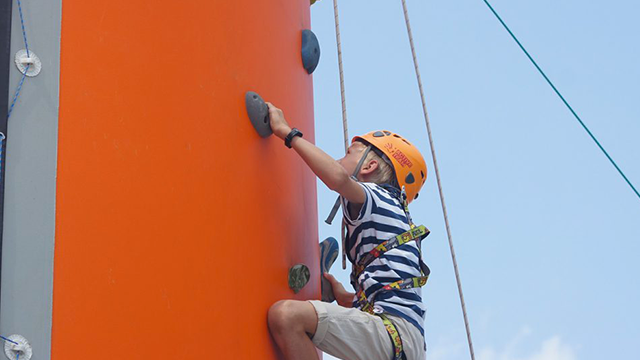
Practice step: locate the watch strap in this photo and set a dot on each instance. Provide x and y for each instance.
(294, 132)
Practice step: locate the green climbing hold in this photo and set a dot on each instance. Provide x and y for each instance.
(299, 276)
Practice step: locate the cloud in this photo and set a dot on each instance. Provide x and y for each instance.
(551, 349)
(446, 349)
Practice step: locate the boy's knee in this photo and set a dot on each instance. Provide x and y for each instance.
(283, 316)
(280, 316)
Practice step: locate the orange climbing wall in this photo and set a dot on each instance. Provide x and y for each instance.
(175, 223)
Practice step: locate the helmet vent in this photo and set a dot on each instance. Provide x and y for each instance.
(422, 173)
(410, 179)
(378, 134)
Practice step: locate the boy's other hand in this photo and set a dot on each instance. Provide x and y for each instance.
(279, 125)
(343, 297)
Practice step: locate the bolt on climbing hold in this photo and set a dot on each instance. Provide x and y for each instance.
(16, 347)
(258, 112)
(310, 51)
(28, 64)
(299, 276)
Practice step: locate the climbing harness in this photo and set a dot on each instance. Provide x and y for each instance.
(398, 351)
(366, 304)
(416, 232)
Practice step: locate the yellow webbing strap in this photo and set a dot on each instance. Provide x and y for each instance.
(398, 352)
(415, 233)
(414, 282)
(366, 306)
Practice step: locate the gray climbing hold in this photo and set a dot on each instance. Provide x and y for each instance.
(299, 276)
(258, 113)
(310, 51)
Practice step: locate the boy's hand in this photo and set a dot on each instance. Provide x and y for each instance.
(279, 125)
(343, 297)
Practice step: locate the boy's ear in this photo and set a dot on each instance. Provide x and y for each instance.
(370, 167)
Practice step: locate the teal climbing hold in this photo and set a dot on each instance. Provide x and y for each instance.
(310, 51)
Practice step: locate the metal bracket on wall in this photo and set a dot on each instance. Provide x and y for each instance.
(28, 62)
(17, 347)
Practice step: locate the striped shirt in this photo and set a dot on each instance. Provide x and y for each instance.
(381, 218)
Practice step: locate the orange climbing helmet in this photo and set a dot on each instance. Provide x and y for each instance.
(408, 164)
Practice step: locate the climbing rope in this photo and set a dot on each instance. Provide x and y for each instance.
(345, 129)
(3, 137)
(24, 74)
(561, 97)
(9, 340)
(342, 92)
(437, 171)
(24, 32)
(17, 92)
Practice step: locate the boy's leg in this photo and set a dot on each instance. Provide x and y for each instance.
(292, 324)
(349, 333)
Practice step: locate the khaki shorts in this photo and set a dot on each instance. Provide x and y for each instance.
(352, 334)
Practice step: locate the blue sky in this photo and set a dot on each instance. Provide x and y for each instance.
(546, 231)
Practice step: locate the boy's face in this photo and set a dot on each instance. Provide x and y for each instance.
(351, 159)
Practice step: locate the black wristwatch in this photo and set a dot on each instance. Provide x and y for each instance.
(294, 132)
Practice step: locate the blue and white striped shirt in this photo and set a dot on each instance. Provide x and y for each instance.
(381, 218)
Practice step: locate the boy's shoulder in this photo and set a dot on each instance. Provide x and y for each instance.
(384, 192)
(384, 198)
(380, 199)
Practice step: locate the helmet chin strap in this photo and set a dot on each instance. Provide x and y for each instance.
(336, 206)
(354, 176)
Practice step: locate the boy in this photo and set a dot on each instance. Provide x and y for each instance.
(386, 275)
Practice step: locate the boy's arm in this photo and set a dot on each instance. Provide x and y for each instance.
(324, 166)
(343, 297)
